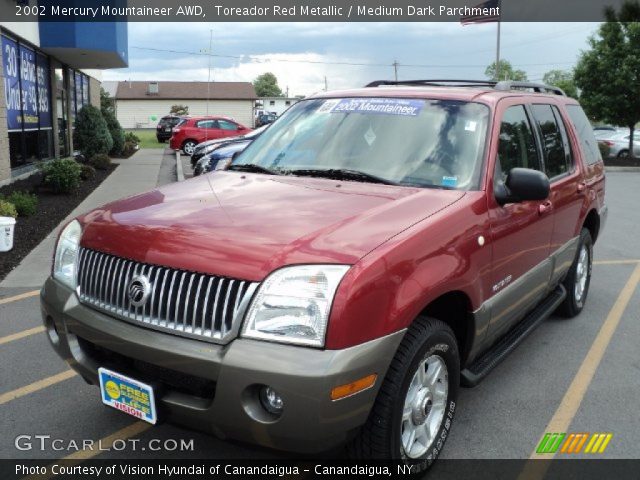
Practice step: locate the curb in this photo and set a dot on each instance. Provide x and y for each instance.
(179, 171)
(622, 169)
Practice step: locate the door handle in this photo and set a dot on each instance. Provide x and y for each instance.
(545, 207)
(582, 186)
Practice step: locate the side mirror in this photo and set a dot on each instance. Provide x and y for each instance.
(522, 184)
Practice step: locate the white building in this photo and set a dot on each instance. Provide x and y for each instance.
(142, 104)
(278, 105)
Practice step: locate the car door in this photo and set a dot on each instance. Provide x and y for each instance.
(520, 232)
(567, 186)
(206, 130)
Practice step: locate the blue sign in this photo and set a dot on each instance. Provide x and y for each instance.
(29, 85)
(13, 98)
(385, 106)
(44, 91)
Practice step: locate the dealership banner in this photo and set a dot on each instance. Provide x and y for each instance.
(12, 94)
(44, 91)
(305, 10)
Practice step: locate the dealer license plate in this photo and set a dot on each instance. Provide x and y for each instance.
(127, 395)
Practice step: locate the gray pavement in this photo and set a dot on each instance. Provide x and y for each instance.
(504, 417)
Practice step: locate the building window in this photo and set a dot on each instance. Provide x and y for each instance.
(28, 101)
(287, 102)
(272, 102)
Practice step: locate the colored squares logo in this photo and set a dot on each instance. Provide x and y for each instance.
(574, 443)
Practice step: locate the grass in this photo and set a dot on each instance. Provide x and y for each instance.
(148, 138)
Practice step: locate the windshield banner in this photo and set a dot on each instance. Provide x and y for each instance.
(387, 106)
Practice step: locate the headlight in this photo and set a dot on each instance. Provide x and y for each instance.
(293, 305)
(66, 257)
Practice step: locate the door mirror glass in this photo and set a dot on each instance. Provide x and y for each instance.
(521, 185)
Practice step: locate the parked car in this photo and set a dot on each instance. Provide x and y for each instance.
(371, 251)
(265, 119)
(165, 126)
(618, 144)
(196, 130)
(219, 157)
(605, 128)
(209, 146)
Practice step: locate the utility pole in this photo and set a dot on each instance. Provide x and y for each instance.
(498, 53)
(395, 69)
(210, 52)
(326, 88)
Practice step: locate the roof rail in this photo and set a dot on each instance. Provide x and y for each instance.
(502, 85)
(536, 87)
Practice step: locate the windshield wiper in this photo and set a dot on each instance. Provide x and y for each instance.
(341, 174)
(251, 168)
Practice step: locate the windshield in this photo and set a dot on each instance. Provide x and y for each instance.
(416, 142)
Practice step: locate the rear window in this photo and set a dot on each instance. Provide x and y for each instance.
(584, 131)
(169, 121)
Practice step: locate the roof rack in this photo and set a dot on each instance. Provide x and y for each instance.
(506, 85)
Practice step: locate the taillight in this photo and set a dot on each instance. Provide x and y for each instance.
(609, 143)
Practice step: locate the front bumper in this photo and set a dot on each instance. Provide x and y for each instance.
(214, 387)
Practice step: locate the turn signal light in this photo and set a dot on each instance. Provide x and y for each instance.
(352, 388)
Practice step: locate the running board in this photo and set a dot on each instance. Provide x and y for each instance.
(473, 374)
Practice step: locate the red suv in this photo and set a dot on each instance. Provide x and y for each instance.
(192, 131)
(370, 252)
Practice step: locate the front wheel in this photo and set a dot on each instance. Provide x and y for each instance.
(188, 147)
(623, 154)
(412, 415)
(578, 278)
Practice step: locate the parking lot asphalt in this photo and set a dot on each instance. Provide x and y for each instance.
(578, 375)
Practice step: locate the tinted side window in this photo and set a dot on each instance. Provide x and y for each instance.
(556, 157)
(207, 124)
(517, 146)
(225, 125)
(585, 134)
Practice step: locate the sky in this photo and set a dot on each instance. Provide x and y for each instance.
(349, 55)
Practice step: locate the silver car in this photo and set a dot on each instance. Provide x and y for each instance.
(618, 144)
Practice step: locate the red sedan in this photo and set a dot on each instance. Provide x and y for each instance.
(191, 131)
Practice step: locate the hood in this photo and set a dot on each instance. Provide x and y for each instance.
(245, 225)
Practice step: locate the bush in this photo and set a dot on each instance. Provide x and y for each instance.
(116, 131)
(7, 209)
(92, 134)
(26, 203)
(62, 176)
(132, 138)
(87, 172)
(129, 149)
(100, 161)
(604, 150)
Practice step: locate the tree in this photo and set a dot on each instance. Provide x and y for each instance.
(562, 79)
(266, 85)
(92, 134)
(608, 75)
(179, 110)
(506, 72)
(107, 103)
(116, 131)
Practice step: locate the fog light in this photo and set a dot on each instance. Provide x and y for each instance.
(271, 400)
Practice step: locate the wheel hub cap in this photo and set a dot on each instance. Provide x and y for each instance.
(582, 274)
(424, 406)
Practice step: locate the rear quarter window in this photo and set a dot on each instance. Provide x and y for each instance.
(584, 130)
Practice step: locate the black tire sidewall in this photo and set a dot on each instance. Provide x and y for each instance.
(443, 344)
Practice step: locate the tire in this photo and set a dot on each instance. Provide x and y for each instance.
(623, 153)
(188, 146)
(578, 278)
(429, 343)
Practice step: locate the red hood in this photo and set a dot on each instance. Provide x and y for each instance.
(245, 225)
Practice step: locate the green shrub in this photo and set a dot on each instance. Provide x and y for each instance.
(604, 150)
(132, 138)
(129, 149)
(92, 134)
(62, 176)
(7, 209)
(87, 172)
(116, 131)
(26, 203)
(100, 161)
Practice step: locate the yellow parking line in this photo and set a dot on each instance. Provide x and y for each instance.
(19, 335)
(34, 387)
(561, 420)
(105, 444)
(616, 262)
(22, 296)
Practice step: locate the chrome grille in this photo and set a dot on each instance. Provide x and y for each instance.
(182, 303)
